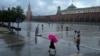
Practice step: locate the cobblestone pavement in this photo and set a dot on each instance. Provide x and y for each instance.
(24, 43)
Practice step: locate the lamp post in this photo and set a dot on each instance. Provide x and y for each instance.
(18, 20)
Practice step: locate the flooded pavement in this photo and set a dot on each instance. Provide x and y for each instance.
(24, 43)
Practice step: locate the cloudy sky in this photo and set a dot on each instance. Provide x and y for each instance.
(48, 7)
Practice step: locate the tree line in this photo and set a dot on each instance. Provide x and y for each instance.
(11, 15)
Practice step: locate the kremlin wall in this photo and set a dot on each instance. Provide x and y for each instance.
(73, 14)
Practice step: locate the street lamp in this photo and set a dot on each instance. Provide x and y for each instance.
(18, 20)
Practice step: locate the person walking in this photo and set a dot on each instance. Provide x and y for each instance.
(78, 42)
(52, 49)
(53, 39)
(37, 30)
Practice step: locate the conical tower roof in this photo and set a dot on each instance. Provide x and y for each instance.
(29, 7)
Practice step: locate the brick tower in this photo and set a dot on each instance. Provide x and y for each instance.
(58, 14)
(29, 13)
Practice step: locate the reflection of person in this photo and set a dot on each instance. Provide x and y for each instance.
(62, 26)
(36, 33)
(52, 48)
(78, 32)
(42, 26)
(75, 35)
(66, 28)
(77, 54)
(78, 42)
(36, 30)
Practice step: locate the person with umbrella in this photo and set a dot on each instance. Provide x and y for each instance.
(53, 40)
(51, 46)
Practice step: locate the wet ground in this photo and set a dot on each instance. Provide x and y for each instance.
(12, 44)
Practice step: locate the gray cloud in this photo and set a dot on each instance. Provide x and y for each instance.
(48, 7)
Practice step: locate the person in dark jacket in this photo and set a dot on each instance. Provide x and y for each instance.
(52, 46)
(37, 30)
(78, 42)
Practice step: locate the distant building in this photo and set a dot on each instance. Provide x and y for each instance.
(74, 10)
(28, 19)
(29, 13)
(74, 14)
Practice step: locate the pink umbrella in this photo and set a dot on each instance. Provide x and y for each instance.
(52, 37)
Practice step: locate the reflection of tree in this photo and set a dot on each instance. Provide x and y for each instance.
(14, 42)
(17, 49)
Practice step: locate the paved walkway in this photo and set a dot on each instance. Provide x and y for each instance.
(14, 45)
(65, 48)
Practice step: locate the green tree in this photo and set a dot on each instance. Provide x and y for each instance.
(11, 14)
(19, 13)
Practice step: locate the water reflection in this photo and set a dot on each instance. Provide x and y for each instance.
(76, 54)
(51, 55)
(99, 42)
(58, 27)
(28, 33)
(42, 26)
(86, 30)
(12, 38)
(14, 42)
(17, 48)
(28, 28)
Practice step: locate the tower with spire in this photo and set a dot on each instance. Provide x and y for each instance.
(58, 14)
(29, 13)
(58, 10)
(28, 19)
